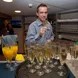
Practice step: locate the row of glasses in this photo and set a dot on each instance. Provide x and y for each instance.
(44, 54)
(41, 55)
(72, 49)
(61, 53)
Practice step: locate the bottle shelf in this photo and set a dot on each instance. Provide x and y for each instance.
(69, 37)
(67, 30)
(67, 20)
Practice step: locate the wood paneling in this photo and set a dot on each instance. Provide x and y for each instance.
(5, 16)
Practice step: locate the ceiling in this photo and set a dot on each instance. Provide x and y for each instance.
(54, 6)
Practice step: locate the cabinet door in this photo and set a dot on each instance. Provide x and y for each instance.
(19, 32)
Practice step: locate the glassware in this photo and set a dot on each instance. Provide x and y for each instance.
(31, 58)
(76, 57)
(47, 57)
(31, 54)
(8, 53)
(62, 55)
(54, 49)
(15, 50)
(3, 50)
(72, 53)
(39, 56)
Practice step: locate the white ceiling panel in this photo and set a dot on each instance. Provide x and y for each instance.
(54, 6)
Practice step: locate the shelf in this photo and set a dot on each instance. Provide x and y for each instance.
(70, 37)
(67, 25)
(67, 31)
(27, 23)
(67, 20)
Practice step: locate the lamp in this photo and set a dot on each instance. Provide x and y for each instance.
(17, 11)
(8, 0)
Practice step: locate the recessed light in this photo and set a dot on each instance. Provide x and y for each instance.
(8, 0)
(17, 11)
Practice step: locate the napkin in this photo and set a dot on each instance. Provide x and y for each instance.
(19, 57)
(68, 56)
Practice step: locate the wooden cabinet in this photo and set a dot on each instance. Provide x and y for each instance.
(67, 25)
(5, 16)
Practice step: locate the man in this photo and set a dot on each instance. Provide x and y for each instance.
(40, 31)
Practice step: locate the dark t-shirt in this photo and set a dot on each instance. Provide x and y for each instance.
(10, 29)
(5, 30)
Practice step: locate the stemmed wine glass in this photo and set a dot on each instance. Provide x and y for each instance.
(47, 57)
(31, 58)
(75, 55)
(72, 53)
(62, 55)
(76, 59)
(8, 53)
(15, 50)
(39, 54)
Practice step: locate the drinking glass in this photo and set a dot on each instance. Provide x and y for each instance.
(15, 50)
(47, 57)
(31, 58)
(8, 53)
(75, 65)
(3, 50)
(72, 53)
(39, 57)
(39, 54)
(54, 49)
(62, 55)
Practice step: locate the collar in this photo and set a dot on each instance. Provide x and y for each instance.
(40, 23)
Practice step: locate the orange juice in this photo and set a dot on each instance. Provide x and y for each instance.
(15, 49)
(8, 53)
(3, 50)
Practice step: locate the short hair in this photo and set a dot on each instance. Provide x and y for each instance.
(41, 5)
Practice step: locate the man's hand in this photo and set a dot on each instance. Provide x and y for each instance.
(48, 42)
(42, 30)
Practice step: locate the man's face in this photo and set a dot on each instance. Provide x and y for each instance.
(42, 13)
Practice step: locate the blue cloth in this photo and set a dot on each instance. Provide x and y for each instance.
(5, 73)
(70, 75)
(9, 39)
(34, 30)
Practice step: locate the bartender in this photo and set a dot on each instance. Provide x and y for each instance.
(8, 27)
(5, 29)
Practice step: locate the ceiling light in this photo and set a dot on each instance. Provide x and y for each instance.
(8, 0)
(17, 11)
